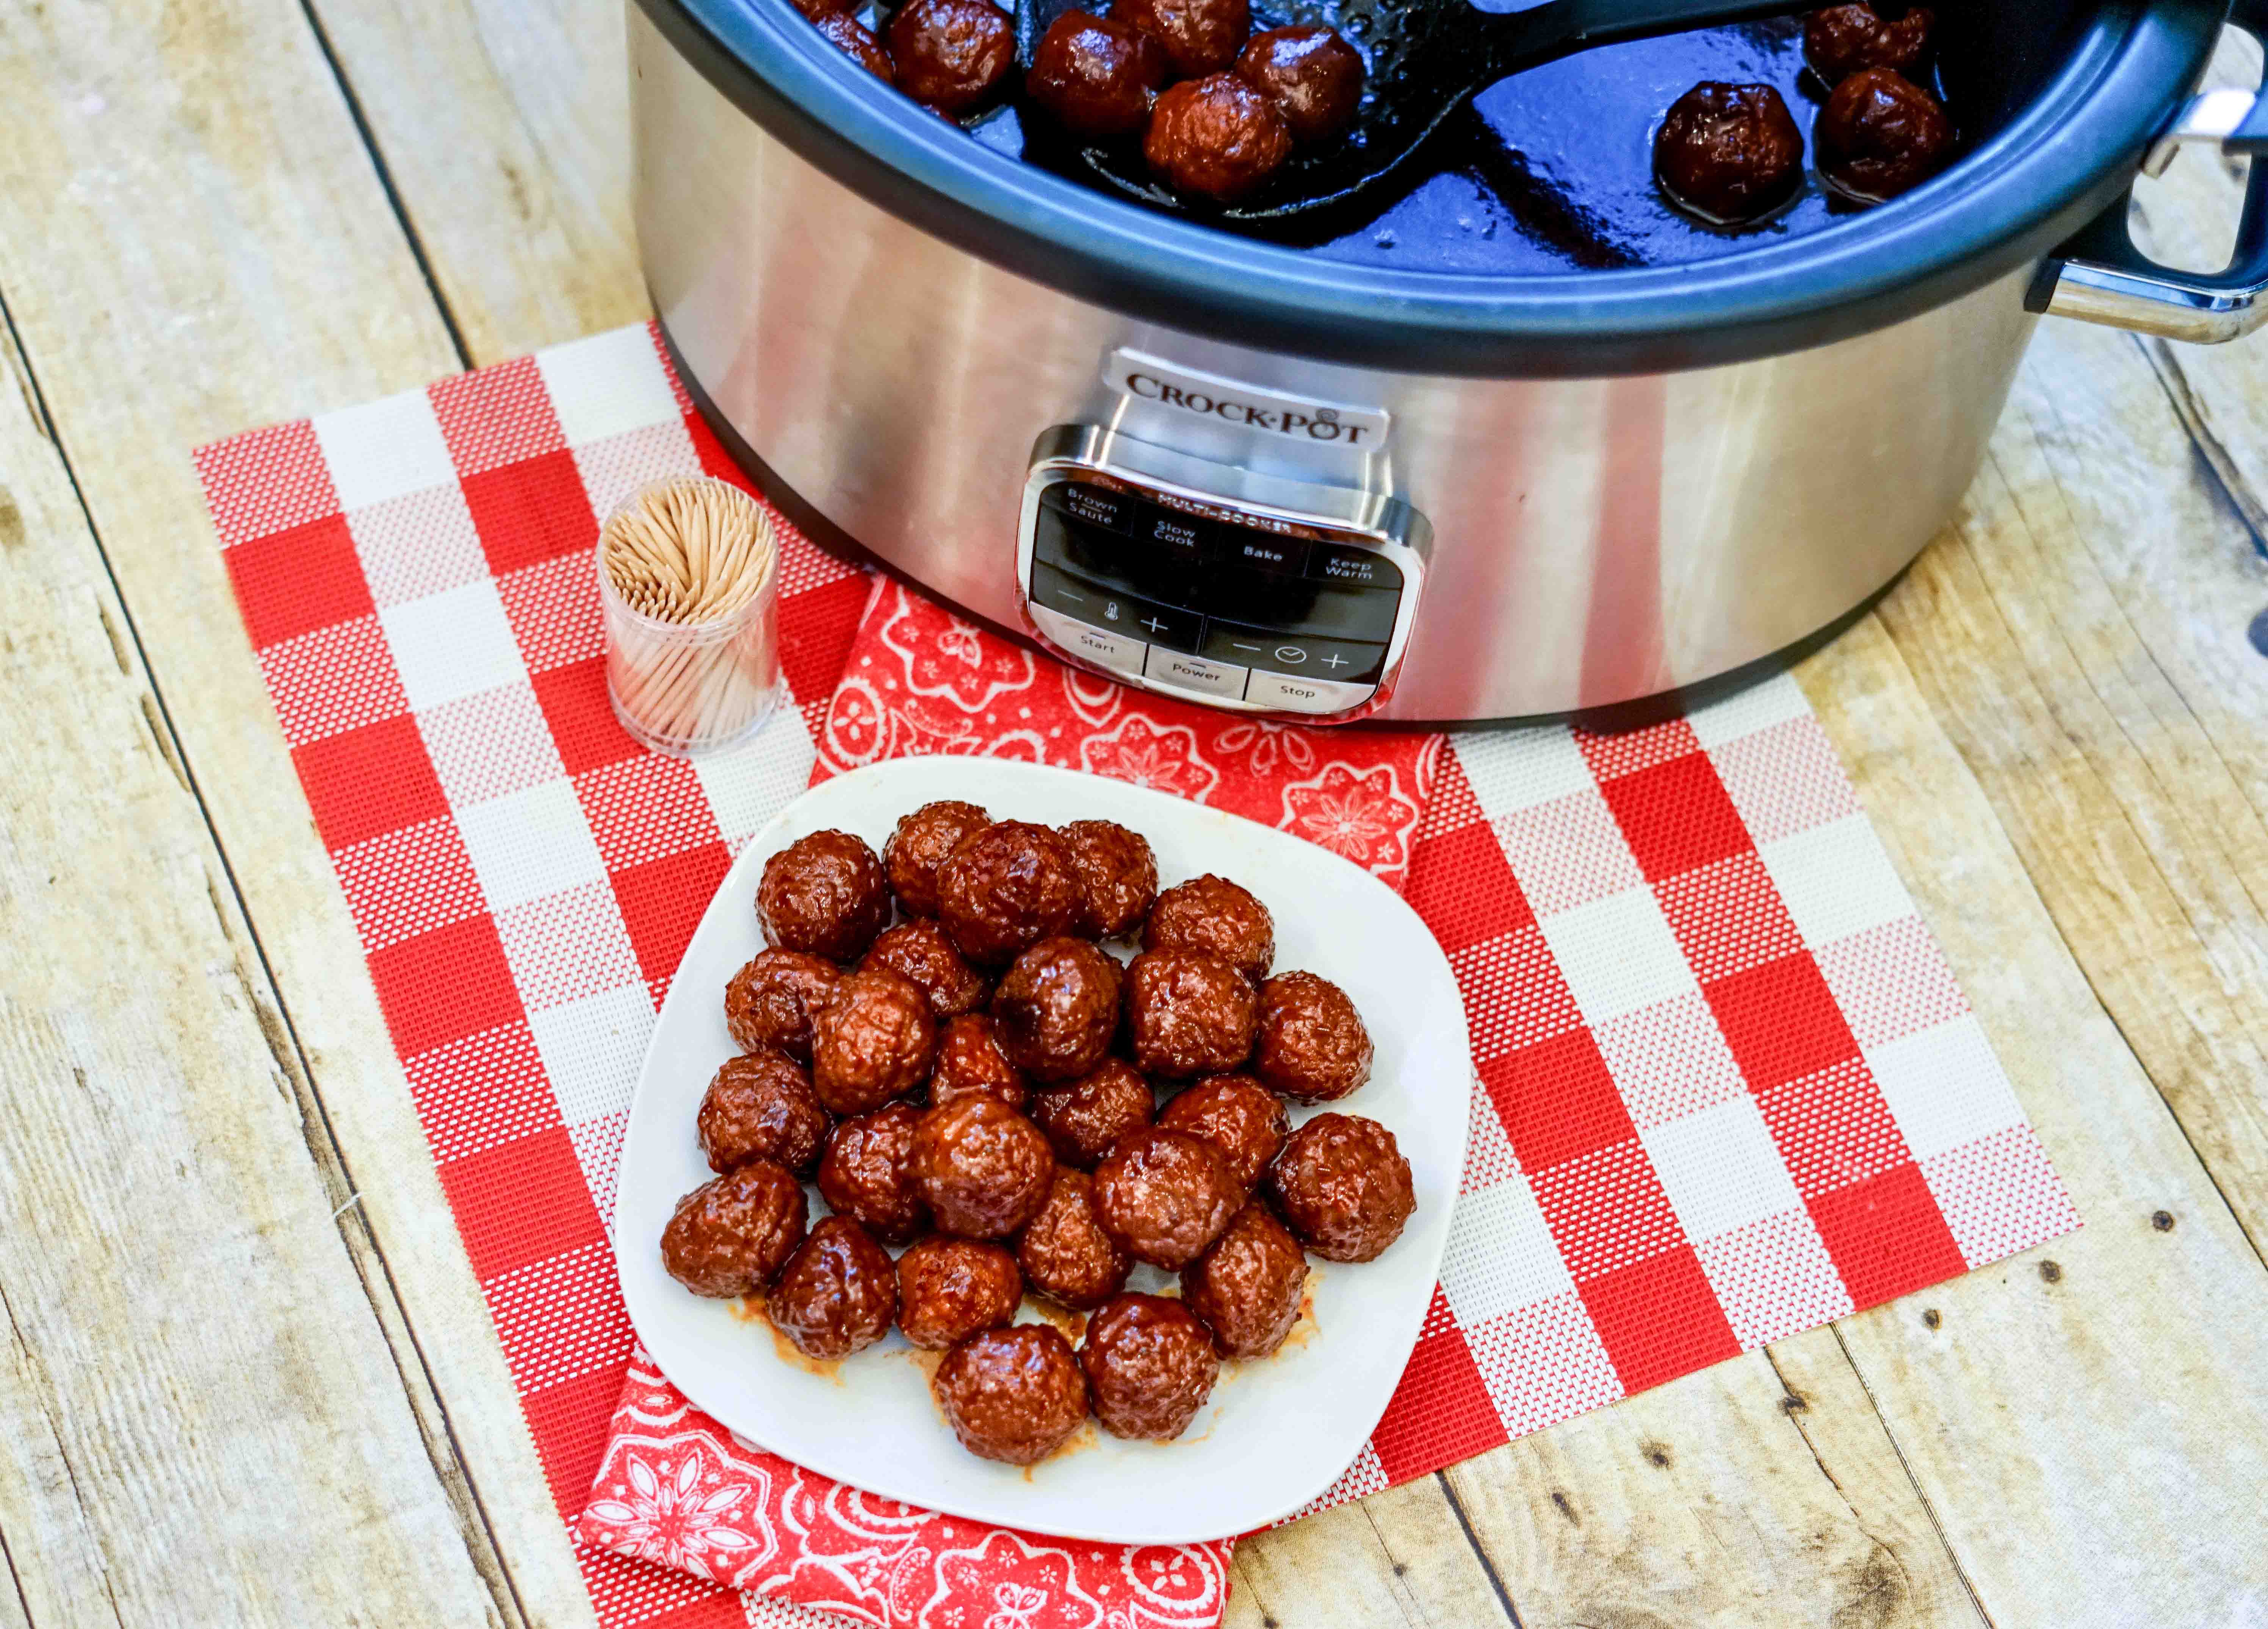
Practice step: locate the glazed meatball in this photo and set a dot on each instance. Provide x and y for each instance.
(1729, 152)
(1012, 1395)
(951, 55)
(1215, 917)
(949, 1289)
(838, 1294)
(1312, 1045)
(1150, 1366)
(1064, 1253)
(824, 894)
(847, 34)
(918, 846)
(1246, 1288)
(1200, 36)
(817, 9)
(1311, 75)
(1164, 1196)
(1098, 77)
(1242, 1120)
(1005, 889)
(970, 1061)
(1188, 1015)
(770, 1001)
(729, 1236)
(983, 1168)
(1343, 1186)
(1844, 40)
(873, 1042)
(1216, 136)
(1085, 1119)
(867, 1174)
(921, 953)
(761, 1105)
(1117, 874)
(1880, 135)
(1056, 1008)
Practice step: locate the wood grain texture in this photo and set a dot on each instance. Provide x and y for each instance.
(193, 240)
(198, 1395)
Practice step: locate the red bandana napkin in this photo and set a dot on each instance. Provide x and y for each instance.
(1726, 1090)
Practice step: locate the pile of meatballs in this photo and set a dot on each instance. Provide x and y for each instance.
(1732, 153)
(1218, 108)
(980, 1084)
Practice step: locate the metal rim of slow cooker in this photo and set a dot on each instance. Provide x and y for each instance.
(2069, 155)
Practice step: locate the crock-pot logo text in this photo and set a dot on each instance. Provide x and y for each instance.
(1149, 379)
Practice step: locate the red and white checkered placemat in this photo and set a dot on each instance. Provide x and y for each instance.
(1728, 1089)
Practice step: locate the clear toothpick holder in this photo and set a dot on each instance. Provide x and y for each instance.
(691, 688)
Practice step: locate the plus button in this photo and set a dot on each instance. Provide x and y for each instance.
(1334, 660)
(1154, 625)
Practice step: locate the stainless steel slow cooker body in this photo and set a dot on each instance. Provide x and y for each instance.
(1591, 487)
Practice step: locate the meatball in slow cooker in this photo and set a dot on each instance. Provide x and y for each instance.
(824, 894)
(921, 953)
(1200, 36)
(917, 846)
(1056, 1008)
(1343, 1187)
(1844, 40)
(730, 1236)
(949, 1289)
(1012, 1395)
(1005, 889)
(1117, 874)
(1216, 136)
(1164, 1196)
(760, 1105)
(1150, 1366)
(1085, 1118)
(1246, 1287)
(983, 1168)
(847, 34)
(951, 55)
(1310, 74)
(1215, 917)
(770, 1001)
(1063, 1251)
(1312, 1046)
(1098, 77)
(872, 1043)
(1729, 153)
(1243, 1120)
(867, 1174)
(839, 1292)
(970, 1060)
(1880, 135)
(1188, 1015)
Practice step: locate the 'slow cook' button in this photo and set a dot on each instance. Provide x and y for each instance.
(1194, 672)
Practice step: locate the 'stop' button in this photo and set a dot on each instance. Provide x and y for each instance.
(1357, 567)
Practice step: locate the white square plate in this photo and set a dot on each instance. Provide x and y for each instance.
(1276, 1433)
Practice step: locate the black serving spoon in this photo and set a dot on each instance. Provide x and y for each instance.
(1428, 59)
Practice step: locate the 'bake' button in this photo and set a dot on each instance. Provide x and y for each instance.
(1194, 672)
(1264, 551)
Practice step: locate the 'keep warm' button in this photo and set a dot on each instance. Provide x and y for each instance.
(1194, 672)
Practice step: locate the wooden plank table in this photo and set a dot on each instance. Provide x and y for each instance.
(248, 1376)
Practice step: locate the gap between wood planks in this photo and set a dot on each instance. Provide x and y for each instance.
(434, 1428)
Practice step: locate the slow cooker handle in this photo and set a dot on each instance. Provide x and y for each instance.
(2098, 275)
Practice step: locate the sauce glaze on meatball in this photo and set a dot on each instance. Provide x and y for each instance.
(1840, 40)
(730, 1236)
(1241, 1119)
(824, 894)
(951, 55)
(1117, 874)
(1214, 917)
(1150, 1366)
(867, 1174)
(1343, 1187)
(983, 1168)
(918, 846)
(1310, 74)
(1200, 36)
(971, 1059)
(769, 1002)
(839, 1292)
(1188, 1015)
(1098, 77)
(1005, 889)
(1056, 1008)
(1085, 1118)
(949, 1289)
(921, 953)
(1217, 138)
(1246, 1287)
(847, 34)
(1013, 1395)
(1063, 1251)
(1729, 152)
(872, 1043)
(1164, 1196)
(1312, 1046)
(1880, 135)
(761, 1105)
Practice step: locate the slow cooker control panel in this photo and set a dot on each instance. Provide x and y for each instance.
(1252, 608)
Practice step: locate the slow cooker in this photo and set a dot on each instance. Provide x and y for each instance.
(1266, 480)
